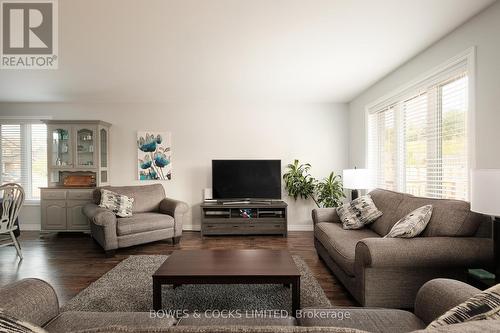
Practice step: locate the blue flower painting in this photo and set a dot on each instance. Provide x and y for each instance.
(154, 155)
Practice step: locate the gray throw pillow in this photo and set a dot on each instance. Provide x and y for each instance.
(358, 213)
(121, 205)
(483, 306)
(412, 224)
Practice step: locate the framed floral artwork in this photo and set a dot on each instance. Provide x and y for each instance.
(154, 155)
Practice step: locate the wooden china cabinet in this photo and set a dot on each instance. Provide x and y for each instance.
(77, 162)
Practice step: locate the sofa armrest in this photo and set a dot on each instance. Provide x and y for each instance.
(325, 215)
(440, 295)
(424, 252)
(102, 225)
(31, 300)
(179, 210)
(98, 215)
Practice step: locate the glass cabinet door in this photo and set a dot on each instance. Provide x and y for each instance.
(85, 147)
(103, 136)
(104, 148)
(60, 149)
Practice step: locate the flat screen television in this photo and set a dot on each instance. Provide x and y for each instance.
(246, 179)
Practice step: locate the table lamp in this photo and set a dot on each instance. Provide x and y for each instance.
(356, 179)
(485, 199)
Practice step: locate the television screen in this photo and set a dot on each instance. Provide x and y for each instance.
(246, 179)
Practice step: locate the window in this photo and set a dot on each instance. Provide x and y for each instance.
(418, 138)
(24, 156)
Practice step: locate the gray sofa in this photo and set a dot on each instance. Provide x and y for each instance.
(388, 272)
(154, 217)
(35, 301)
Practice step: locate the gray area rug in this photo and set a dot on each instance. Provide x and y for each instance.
(128, 287)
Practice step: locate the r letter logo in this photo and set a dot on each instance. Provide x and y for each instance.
(29, 34)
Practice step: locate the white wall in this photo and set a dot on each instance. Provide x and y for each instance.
(316, 133)
(482, 31)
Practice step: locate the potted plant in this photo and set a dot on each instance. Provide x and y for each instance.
(330, 191)
(300, 183)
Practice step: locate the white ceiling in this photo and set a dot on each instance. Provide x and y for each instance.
(198, 50)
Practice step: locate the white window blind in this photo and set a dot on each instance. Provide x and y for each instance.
(418, 140)
(383, 147)
(23, 156)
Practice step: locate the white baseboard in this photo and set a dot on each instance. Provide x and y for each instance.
(293, 227)
(300, 227)
(191, 227)
(30, 226)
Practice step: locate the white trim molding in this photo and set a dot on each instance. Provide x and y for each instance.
(465, 61)
(23, 119)
(291, 227)
(300, 227)
(469, 57)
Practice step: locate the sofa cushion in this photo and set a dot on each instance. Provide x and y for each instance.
(79, 320)
(119, 204)
(450, 218)
(341, 243)
(371, 320)
(387, 202)
(147, 198)
(224, 329)
(143, 222)
(190, 320)
(483, 306)
(358, 213)
(412, 224)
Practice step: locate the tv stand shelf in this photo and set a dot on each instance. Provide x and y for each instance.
(264, 218)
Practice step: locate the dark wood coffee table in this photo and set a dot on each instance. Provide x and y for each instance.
(228, 267)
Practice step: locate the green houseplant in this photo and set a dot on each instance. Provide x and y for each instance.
(330, 191)
(300, 183)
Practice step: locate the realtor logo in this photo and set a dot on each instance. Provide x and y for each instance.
(29, 34)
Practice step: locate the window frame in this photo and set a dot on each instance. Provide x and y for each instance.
(420, 85)
(26, 144)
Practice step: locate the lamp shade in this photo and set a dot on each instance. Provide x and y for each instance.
(357, 179)
(485, 191)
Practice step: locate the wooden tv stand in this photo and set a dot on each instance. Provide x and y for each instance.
(264, 218)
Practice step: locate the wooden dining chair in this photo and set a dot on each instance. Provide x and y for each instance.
(13, 199)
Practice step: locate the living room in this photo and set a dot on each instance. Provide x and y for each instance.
(249, 166)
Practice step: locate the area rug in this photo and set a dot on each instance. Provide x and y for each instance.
(128, 287)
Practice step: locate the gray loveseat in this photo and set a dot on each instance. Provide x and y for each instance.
(36, 302)
(388, 272)
(154, 218)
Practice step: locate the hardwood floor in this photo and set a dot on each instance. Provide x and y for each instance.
(70, 262)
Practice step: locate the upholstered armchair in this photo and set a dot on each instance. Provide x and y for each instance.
(154, 218)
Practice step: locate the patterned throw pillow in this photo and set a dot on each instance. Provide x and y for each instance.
(412, 224)
(121, 205)
(358, 213)
(483, 306)
(11, 324)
